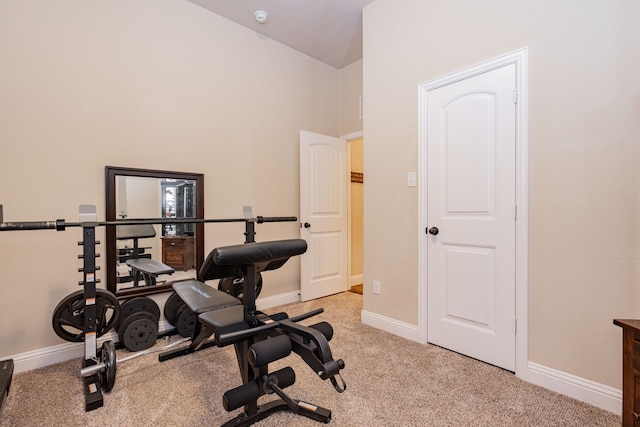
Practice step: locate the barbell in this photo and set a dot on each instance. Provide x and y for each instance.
(61, 224)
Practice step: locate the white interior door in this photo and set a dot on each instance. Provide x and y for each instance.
(323, 215)
(471, 140)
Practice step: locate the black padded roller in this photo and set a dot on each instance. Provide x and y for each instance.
(283, 378)
(240, 396)
(269, 350)
(325, 329)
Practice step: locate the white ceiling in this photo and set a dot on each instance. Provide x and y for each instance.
(327, 30)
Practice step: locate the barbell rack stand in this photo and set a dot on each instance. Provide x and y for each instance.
(88, 221)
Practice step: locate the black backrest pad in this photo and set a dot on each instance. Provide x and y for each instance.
(227, 261)
(136, 231)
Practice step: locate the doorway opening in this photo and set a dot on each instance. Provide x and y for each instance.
(356, 213)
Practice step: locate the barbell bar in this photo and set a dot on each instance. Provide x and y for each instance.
(61, 224)
(109, 363)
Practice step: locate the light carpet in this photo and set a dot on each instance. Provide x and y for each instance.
(391, 381)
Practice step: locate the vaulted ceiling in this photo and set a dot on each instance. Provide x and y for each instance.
(327, 30)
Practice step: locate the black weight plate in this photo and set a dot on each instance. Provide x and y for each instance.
(138, 304)
(108, 357)
(68, 316)
(140, 334)
(131, 318)
(235, 286)
(171, 307)
(186, 322)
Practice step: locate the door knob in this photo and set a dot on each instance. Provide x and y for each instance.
(433, 231)
(307, 225)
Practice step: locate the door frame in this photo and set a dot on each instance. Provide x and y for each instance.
(520, 58)
(350, 137)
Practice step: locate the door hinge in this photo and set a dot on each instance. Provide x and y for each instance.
(515, 326)
(515, 96)
(515, 211)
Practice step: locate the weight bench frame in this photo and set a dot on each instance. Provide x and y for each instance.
(148, 270)
(242, 325)
(88, 222)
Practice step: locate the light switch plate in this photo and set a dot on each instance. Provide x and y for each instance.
(411, 179)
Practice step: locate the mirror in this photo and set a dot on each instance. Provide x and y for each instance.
(147, 259)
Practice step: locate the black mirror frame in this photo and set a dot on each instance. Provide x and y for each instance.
(110, 173)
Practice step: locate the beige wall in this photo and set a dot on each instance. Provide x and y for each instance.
(350, 93)
(584, 119)
(160, 84)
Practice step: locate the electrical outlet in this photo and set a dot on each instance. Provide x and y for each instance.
(376, 287)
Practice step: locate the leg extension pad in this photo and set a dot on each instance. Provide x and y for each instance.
(250, 392)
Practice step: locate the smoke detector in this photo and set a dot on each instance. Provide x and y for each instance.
(261, 16)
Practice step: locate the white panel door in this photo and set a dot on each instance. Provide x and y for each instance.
(323, 215)
(471, 202)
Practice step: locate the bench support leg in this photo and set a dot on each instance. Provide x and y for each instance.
(305, 409)
(198, 342)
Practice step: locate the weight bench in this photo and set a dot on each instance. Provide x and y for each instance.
(259, 339)
(142, 267)
(148, 270)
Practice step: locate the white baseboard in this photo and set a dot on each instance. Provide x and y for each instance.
(46, 356)
(591, 392)
(62, 352)
(393, 326)
(276, 300)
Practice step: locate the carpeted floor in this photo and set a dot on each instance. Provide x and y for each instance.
(391, 382)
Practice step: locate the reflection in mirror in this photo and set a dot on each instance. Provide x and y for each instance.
(166, 253)
(144, 259)
(178, 201)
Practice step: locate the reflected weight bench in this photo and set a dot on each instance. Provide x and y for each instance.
(259, 339)
(142, 266)
(148, 270)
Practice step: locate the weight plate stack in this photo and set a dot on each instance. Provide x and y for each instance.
(139, 331)
(186, 321)
(138, 304)
(138, 326)
(171, 307)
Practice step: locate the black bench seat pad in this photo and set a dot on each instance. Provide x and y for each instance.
(149, 266)
(200, 297)
(223, 317)
(228, 261)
